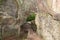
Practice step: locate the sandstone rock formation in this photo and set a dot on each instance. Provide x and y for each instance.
(13, 14)
(47, 27)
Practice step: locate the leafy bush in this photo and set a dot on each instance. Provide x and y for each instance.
(31, 17)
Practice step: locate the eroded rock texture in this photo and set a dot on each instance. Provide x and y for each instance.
(13, 14)
(47, 27)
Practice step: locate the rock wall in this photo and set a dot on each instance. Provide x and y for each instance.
(13, 14)
(47, 27)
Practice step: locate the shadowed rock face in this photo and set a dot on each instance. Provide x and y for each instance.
(24, 30)
(9, 7)
(8, 12)
(28, 33)
(13, 15)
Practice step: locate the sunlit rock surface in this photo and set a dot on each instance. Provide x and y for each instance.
(47, 27)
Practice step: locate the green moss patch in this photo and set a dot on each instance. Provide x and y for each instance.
(31, 17)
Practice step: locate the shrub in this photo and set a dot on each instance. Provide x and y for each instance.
(31, 17)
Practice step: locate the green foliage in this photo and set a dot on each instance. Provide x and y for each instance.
(31, 17)
(1, 1)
